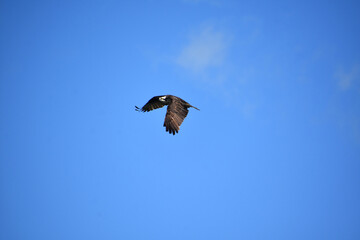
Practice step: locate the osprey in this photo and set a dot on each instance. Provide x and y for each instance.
(176, 112)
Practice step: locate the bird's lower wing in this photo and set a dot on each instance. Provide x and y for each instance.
(175, 115)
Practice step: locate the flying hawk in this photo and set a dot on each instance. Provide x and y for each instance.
(177, 110)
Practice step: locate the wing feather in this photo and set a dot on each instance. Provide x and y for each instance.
(152, 104)
(175, 115)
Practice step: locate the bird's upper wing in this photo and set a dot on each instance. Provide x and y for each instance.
(152, 104)
(175, 115)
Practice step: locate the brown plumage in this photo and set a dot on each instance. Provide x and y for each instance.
(177, 110)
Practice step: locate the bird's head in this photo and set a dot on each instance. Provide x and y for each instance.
(162, 99)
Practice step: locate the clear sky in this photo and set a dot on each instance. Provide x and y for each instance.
(274, 152)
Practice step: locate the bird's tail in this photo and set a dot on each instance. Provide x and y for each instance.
(195, 108)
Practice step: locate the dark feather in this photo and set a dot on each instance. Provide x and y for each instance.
(152, 104)
(175, 115)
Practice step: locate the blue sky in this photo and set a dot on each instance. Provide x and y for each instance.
(274, 152)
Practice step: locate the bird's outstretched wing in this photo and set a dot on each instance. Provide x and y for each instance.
(175, 115)
(152, 104)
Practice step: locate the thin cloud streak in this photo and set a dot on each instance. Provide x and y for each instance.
(205, 50)
(207, 57)
(347, 80)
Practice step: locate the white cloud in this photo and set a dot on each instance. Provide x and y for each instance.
(208, 58)
(347, 80)
(206, 49)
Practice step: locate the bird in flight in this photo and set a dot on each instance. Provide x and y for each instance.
(177, 110)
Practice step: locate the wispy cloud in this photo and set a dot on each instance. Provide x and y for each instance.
(348, 79)
(208, 56)
(205, 50)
